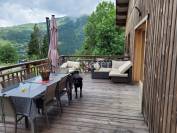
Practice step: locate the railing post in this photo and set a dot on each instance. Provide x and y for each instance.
(28, 68)
(62, 59)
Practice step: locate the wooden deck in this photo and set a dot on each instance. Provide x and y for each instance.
(104, 108)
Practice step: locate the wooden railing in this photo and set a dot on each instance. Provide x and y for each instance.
(19, 70)
(26, 64)
(64, 58)
(86, 61)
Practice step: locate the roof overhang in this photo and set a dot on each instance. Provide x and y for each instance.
(121, 12)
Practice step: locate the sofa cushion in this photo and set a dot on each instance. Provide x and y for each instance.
(105, 64)
(116, 64)
(105, 69)
(124, 67)
(96, 66)
(63, 70)
(72, 64)
(71, 70)
(114, 73)
(118, 75)
(76, 65)
(64, 65)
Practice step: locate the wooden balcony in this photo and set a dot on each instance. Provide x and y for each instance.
(104, 108)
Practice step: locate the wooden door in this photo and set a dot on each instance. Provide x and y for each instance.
(139, 51)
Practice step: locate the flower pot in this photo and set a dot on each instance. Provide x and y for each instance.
(45, 75)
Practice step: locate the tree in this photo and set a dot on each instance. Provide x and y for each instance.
(44, 47)
(102, 36)
(35, 43)
(8, 53)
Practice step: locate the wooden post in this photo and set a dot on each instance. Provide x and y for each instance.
(28, 68)
(48, 28)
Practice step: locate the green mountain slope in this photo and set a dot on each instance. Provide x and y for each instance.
(71, 34)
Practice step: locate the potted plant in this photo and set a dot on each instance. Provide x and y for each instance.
(45, 74)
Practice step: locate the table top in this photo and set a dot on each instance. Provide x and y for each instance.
(33, 87)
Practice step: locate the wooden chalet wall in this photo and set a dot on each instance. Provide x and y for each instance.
(160, 64)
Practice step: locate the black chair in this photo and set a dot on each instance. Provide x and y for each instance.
(8, 113)
(64, 87)
(49, 99)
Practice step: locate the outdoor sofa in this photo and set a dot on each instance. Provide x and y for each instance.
(70, 66)
(101, 69)
(118, 72)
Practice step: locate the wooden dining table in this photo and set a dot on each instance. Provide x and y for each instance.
(24, 95)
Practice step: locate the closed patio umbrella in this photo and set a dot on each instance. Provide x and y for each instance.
(53, 52)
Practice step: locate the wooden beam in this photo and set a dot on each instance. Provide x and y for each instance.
(121, 13)
(142, 21)
(121, 20)
(121, 24)
(124, 17)
(122, 4)
(122, 9)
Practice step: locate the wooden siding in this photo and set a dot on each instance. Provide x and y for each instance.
(104, 108)
(160, 65)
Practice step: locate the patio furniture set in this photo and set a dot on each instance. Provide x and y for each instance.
(33, 97)
(116, 71)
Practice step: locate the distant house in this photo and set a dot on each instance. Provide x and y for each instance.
(151, 42)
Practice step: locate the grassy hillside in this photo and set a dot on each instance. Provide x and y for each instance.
(71, 34)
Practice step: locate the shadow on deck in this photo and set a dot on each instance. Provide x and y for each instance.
(104, 108)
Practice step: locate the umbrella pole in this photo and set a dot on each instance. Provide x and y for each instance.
(50, 65)
(48, 29)
(48, 34)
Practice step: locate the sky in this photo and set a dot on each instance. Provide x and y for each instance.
(15, 12)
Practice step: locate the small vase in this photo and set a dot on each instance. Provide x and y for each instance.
(45, 75)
